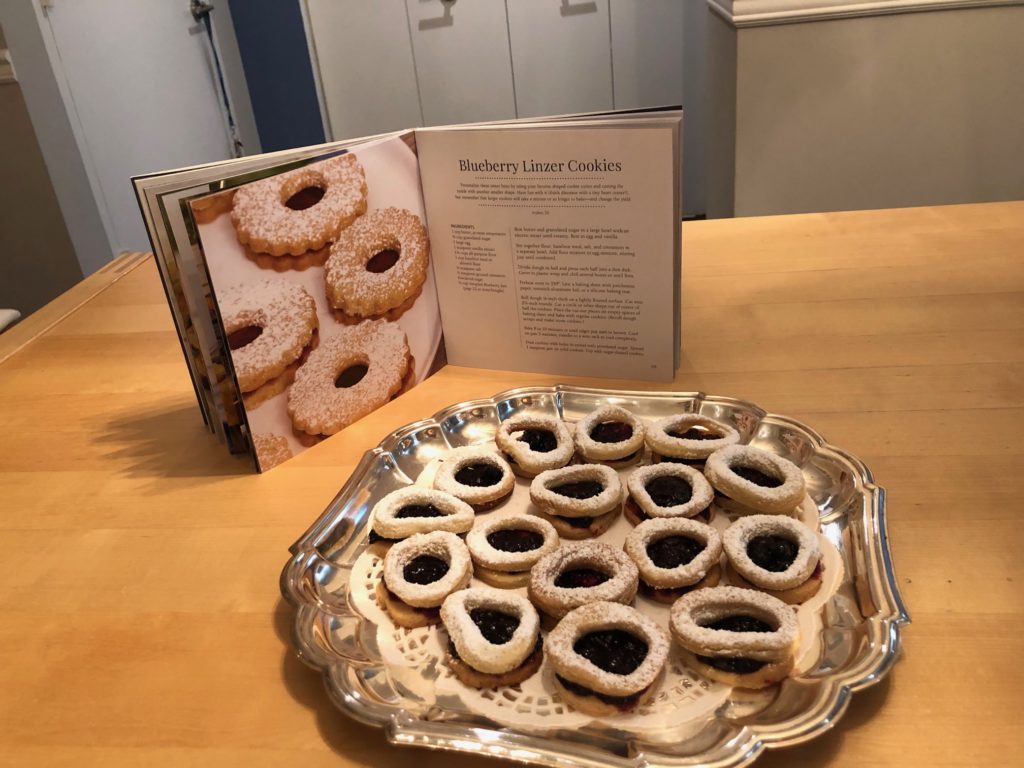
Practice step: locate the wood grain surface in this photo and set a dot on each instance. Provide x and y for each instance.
(142, 623)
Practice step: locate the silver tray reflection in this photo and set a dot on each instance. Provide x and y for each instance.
(860, 624)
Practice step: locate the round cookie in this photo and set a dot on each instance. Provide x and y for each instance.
(576, 575)
(377, 266)
(754, 481)
(667, 490)
(775, 554)
(688, 438)
(610, 435)
(534, 443)
(419, 573)
(674, 556)
(504, 549)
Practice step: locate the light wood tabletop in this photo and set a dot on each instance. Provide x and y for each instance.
(142, 622)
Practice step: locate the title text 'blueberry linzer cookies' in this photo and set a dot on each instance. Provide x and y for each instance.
(535, 443)
(408, 511)
(607, 658)
(476, 475)
(667, 490)
(352, 373)
(494, 637)
(377, 266)
(419, 573)
(271, 328)
(688, 438)
(751, 481)
(289, 220)
(580, 501)
(736, 636)
(573, 576)
(610, 435)
(504, 549)
(775, 554)
(674, 556)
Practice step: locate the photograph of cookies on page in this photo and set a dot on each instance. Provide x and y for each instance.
(322, 280)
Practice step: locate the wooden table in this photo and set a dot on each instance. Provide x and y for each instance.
(142, 623)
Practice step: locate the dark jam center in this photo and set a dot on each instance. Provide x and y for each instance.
(425, 569)
(623, 703)
(478, 475)
(515, 540)
(351, 376)
(612, 650)
(495, 626)
(757, 477)
(611, 432)
(773, 553)
(694, 433)
(577, 578)
(539, 440)
(243, 336)
(669, 491)
(382, 261)
(584, 489)
(673, 551)
(305, 198)
(741, 623)
(736, 666)
(419, 510)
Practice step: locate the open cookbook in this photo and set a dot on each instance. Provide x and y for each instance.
(311, 286)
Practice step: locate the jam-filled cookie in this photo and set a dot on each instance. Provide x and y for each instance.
(748, 480)
(271, 328)
(607, 658)
(476, 475)
(610, 435)
(408, 511)
(504, 549)
(419, 573)
(667, 490)
(580, 501)
(377, 266)
(350, 374)
(287, 221)
(674, 556)
(581, 573)
(688, 438)
(775, 554)
(494, 637)
(535, 443)
(737, 636)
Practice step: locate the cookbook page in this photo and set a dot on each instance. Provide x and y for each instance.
(555, 248)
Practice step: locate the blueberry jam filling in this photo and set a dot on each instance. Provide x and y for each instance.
(757, 477)
(424, 569)
(577, 522)
(539, 440)
(515, 540)
(623, 703)
(773, 553)
(584, 489)
(612, 650)
(694, 433)
(496, 627)
(738, 666)
(479, 475)
(741, 623)
(611, 432)
(669, 491)
(576, 578)
(673, 551)
(418, 510)
(737, 623)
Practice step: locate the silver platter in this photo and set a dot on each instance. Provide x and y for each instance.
(859, 639)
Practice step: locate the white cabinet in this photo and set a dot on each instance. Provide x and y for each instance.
(647, 52)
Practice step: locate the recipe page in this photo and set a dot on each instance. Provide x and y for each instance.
(555, 249)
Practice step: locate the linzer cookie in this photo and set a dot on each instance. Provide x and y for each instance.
(287, 221)
(667, 490)
(270, 327)
(607, 658)
(748, 480)
(534, 443)
(674, 556)
(419, 573)
(610, 435)
(774, 554)
(736, 636)
(377, 266)
(353, 372)
(688, 438)
(580, 501)
(575, 575)
(494, 637)
(408, 511)
(476, 475)
(504, 549)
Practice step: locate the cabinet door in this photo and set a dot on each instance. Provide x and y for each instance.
(462, 60)
(561, 56)
(366, 66)
(647, 52)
